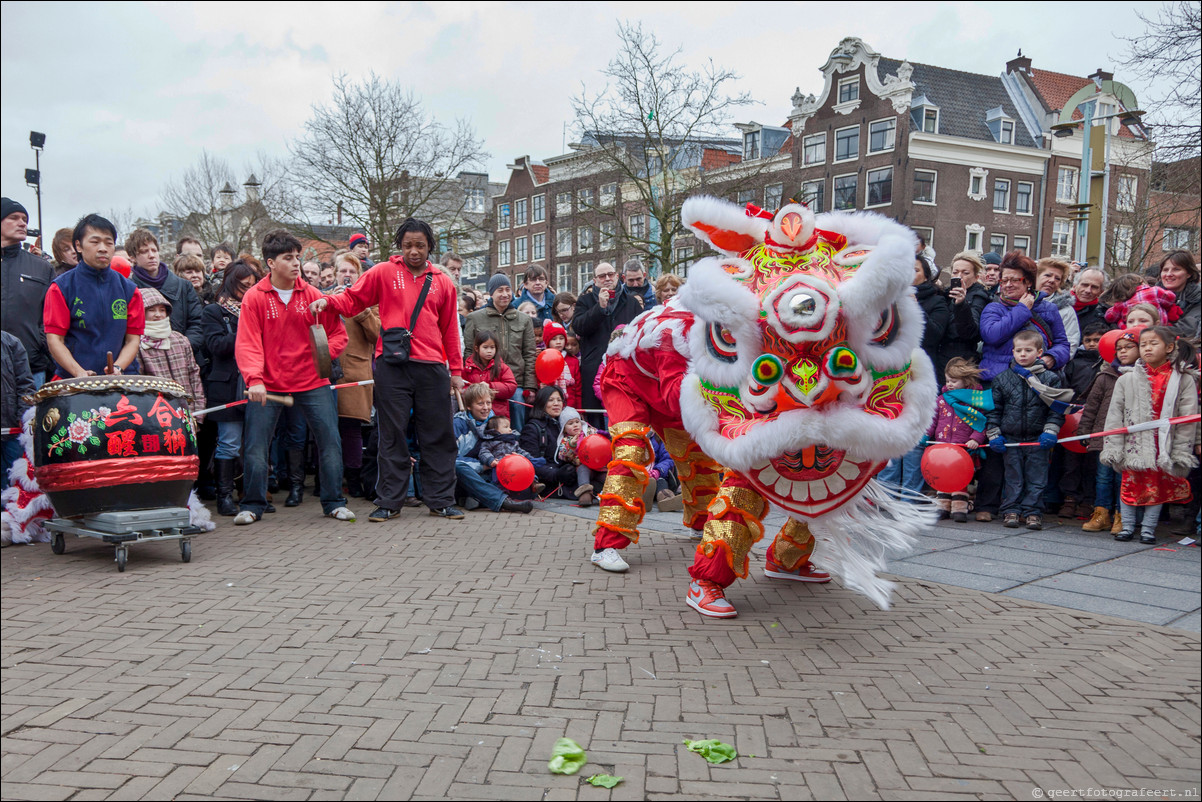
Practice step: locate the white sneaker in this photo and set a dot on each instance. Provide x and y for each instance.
(609, 560)
(341, 514)
(245, 518)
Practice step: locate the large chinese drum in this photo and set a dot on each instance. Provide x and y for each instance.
(105, 443)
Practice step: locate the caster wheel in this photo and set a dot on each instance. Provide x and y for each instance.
(121, 558)
(185, 551)
(58, 544)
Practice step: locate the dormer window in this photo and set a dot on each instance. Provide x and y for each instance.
(751, 145)
(1001, 125)
(924, 115)
(1007, 135)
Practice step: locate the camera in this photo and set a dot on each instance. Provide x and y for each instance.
(955, 283)
(33, 232)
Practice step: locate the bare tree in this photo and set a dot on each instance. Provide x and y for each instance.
(1168, 57)
(651, 128)
(123, 220)
(374, 156)
(216, 205)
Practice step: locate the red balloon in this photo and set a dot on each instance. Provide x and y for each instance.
(515, 473)
(121, 265)
(595, 452)
(947, 467)
(548, 366)
(1106, 346)
(1071, 422)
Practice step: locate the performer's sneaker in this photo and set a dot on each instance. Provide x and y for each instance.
(805, 572)
(709, 599)
(609, 560)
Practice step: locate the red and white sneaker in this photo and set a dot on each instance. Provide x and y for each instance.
(805, 572)
(708, 598)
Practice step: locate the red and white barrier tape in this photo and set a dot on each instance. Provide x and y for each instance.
(1161, 423)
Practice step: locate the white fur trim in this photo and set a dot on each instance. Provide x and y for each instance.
(198, 513)
(722, 215)
(713, 296)
(910, 322)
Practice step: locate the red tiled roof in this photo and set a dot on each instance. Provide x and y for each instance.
(1055, 89)
(541, 173)
(712, 159)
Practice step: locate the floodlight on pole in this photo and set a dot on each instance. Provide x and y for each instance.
(37, 141)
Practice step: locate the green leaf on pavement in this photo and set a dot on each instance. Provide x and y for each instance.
(712, 750)
(604, 780)
(567, 757)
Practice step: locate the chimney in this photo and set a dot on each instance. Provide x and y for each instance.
(1019, 64)
(1100, 76)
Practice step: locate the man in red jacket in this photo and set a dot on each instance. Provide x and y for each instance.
(415, 383)
(273, 355)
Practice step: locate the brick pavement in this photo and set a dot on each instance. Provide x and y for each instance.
(300, 659)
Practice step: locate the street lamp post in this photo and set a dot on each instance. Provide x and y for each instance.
(37, 141)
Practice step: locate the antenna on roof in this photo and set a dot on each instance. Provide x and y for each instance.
(1020, 52)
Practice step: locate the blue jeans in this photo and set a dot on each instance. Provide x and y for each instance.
(905, 472)
(320, 411)
(1106, 488)
(517, 413)
(1026, 479)
(477, 485)
(229, 439)
(12, 453)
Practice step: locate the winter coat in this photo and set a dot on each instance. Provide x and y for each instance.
(362, 332)
(1018, 411)
(26, 278)
(1097, 403)
(1170, 449)
(1063, 301)
(185, 307)
(938, 314)
(539, 437)
(963, 336)
(494, 446)
(948, 427)
(1089, 315)
(593, 326)
(515, 339)
(663, 464)
(1000, 322)
(1190, 301)
(544, 309)
(17, 382)
(468, 434)
(503, 385)
(1080, 371)
(223, 382)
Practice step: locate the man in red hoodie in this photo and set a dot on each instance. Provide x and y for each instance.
(274, 355)
(416, 297)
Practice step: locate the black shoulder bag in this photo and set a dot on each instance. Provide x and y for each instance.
(398, 340)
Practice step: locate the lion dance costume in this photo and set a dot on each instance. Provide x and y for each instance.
(786, 373)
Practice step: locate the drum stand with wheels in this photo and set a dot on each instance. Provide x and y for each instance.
(127, 527)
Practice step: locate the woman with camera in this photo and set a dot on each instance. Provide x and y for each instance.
(968, 296)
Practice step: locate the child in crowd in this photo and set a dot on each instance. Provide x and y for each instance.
(573, 429)
(529, 309)
(166, 353)
(1077, 471)
(1028, 403)
(1141, 316)
(960, 418)
(1093, 419)
(1164, 309)
(574, 346)
(1163, 384)
(470, 427)
(484, 367)
(663, 474)
(555, 336)
(499, 440)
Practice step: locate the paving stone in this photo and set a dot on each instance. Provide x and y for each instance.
(1048, 594)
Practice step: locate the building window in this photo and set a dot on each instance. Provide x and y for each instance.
(538, 247)
(1177, 239)
(976, 186)
(473, 266)
(930, 121)
(880, 135)
(972, 237)
(519, 212)
(751, 145)
(502, 216)
(880, 187)
(586, 198)
(563, 278)
(563, 204)
(609, 194)
(1062, 237)
(772, 196)
(638, 226)
(584, 274)
(1122, 244)
(1066, 185)
(745, 196)
(563, 242)
(847, 144)
(845, 192)
(1001, 195)
(849, 89)
(1022, 244)
(1006, 136)
(503, 253)
(538, 208)
(609, 235)
(683, 255)
(997, 243)
(1023, 192)
(584, 240)
(924, 186)
(813, 194)
(475, 200)
(520, 254)
(813, 149)
(1126, 195)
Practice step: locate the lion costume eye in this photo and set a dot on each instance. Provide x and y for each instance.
(887, 327)
(721, 343)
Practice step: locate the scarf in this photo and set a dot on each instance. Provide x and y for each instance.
(1036, 321)
(970, 406)
(155, 281)
(1080, 306)
(157, 334)
(1057, 399)
(232, 306)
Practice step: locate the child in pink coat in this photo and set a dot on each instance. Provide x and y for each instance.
(960, 418)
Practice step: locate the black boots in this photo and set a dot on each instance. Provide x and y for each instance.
(354, 484)
(296, 477)
(225, 468)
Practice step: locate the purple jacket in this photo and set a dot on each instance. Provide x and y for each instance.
(999, 324)
(948, 427)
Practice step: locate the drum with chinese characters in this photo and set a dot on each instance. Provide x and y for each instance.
(105, 443)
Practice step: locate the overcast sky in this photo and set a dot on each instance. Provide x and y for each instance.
(129, 94)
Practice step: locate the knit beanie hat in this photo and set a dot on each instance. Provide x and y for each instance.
(356, 239)
(9, 206)
(497, 282)
(552, 329)
(991, 258)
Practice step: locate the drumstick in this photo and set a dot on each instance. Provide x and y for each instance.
(109, 370)
(459, 398)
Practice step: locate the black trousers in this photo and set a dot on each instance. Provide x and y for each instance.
(421, 390)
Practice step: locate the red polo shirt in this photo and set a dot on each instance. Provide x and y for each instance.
(273, 340)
